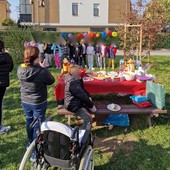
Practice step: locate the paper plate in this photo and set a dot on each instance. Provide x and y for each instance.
(143, 78)
(110, 107)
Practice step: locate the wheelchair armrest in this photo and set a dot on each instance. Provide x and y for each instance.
(75, 132)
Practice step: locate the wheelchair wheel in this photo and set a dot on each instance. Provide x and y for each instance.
(87, 162)
(25, 163)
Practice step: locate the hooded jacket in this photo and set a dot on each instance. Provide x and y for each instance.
(76, 97)
(6, 66)
(34, 81)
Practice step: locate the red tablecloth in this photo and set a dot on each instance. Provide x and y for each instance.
(103, 87)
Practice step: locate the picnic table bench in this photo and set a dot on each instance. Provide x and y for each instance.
(103, 112)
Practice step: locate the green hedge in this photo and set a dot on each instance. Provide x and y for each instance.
(14, 40)
(163, 41)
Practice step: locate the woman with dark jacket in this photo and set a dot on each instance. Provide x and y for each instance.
(34, 78)
(6, 66)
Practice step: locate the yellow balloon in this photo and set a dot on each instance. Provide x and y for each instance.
(98, 35)
(114, 34)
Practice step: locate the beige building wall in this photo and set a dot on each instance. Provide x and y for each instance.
(4, 11)
(73, 29)
(116, 10)
(47, 14)
(50, 15)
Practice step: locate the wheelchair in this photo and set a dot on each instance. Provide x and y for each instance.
(60, 147)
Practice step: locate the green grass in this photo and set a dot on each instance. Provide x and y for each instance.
(137, 148)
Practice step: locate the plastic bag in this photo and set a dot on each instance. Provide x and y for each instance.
(117, 120)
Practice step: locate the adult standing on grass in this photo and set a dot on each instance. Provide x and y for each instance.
(34, 78)
(6, 66)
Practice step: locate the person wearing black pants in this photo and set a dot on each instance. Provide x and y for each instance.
(82, 54)
(6, 66)
(72, 51)
(2, 92)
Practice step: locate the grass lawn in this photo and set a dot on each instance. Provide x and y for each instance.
(137, 149)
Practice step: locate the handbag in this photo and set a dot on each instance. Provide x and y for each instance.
(156, 94)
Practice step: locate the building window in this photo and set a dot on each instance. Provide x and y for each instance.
(25, 7)
(96, 9)
(97, 29)
(75, 9)
(25, 11)
(112, 29)
(49, 29)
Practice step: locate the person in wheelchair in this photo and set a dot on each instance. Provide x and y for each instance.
(77, 99)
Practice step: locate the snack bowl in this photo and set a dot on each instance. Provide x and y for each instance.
(129, 76)
(114, 107)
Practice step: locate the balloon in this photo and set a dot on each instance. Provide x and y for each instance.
(109, 33)
(64, 34)
(98, 35)
(93, 35)
(70, 35)
(85, 34)
(90, 33)
(104, 35)
(114, 34)
(80, 36)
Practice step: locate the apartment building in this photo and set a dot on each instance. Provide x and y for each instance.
(4, 11)
(74, 15)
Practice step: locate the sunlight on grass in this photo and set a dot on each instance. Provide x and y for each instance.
(137, 149)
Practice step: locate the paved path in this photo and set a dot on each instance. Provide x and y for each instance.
(161, 52)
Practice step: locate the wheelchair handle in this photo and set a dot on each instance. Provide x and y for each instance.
(33, 123)
(76, 131)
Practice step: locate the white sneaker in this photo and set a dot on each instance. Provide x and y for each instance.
(85, 66)
(4, 129)
(93, 68)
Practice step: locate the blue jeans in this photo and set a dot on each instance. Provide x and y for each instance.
(32, 112)
(86, 118)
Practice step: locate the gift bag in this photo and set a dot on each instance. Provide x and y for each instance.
(156, 94)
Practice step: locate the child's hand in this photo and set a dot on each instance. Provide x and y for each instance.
(43, 64)
(93, 109)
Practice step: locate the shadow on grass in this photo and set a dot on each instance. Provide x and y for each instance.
(12, 150)
(116, 154)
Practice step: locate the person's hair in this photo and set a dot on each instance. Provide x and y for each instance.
(74, 67)
(1, 46)
(30, 55)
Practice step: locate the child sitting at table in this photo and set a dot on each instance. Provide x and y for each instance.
(76, 97)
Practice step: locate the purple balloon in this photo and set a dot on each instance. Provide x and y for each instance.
(85, 34)
(70, 35)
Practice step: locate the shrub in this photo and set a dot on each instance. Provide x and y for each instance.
(14, 41)
(163, 41)
(8, 22)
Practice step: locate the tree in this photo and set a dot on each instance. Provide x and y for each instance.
(153, 23)
(166, 6)
(151, 16)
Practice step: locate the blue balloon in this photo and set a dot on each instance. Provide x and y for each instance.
(64, 34)
(104, 35)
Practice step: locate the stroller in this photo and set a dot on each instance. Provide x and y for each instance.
(60, 146)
